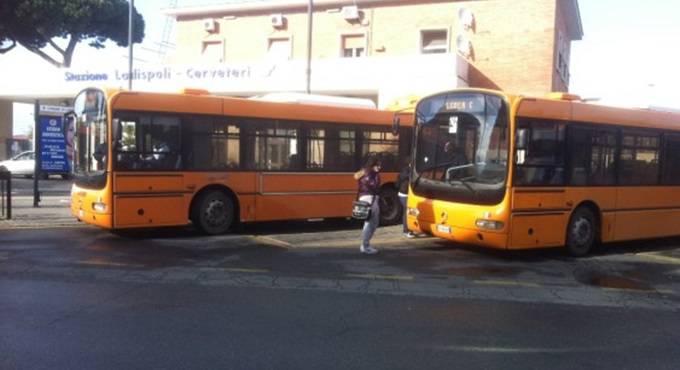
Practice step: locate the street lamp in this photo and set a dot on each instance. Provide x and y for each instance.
(130, 8)
(310, 11)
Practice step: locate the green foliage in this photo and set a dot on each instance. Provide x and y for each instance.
(40, 24)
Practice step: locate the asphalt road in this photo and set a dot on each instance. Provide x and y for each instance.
(299, 295)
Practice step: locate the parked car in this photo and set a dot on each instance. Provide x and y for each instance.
(23, 164)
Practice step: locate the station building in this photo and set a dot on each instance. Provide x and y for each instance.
(382, 50)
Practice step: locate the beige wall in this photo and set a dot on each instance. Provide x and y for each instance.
(514, 41)
(5, 126)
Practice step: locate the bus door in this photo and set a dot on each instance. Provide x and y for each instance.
(148, 186)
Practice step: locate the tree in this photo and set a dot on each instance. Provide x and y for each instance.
(41, 26)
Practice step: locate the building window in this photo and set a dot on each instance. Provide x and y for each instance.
(212, 52)
(279, 49)
(434, 41)
(353, 46)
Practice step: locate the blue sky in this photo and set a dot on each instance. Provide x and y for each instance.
(629, 54)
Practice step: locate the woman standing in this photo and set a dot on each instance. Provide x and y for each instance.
(402, 188)
(368, 179)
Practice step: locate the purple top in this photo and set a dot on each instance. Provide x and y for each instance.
(369, 184)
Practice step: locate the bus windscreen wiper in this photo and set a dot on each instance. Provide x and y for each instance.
(466, 183)
(439, 165)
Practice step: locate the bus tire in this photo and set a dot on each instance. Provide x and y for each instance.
(581, 232)
(390, 207)
(213, 212)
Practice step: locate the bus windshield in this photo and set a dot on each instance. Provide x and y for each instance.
(90, 139)
(461, 151)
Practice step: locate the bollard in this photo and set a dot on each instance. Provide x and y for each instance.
(6, 192)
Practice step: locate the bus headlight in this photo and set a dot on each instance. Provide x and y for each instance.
(413, 212)
(99, 207)
(489, 224)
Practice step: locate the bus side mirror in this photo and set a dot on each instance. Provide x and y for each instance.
(395, 125)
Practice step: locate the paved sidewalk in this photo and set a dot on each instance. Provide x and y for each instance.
(53, 212)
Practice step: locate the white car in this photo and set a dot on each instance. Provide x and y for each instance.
(23, 165)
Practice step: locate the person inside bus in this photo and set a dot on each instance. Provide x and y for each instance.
(368, 181)
(452, 156)
(99, 155)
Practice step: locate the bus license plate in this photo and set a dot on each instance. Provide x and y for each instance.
(444, 229)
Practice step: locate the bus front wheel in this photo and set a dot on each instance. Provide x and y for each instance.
(581, 232)
(213, 212)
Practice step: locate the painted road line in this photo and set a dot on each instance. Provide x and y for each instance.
(270, 241)
(4, 226)
(404, 243)
(630, 290)
(107, 263)
(507, 283)
(380, 277)
(661, 258)
(246, 270)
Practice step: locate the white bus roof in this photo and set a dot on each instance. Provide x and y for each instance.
(327, 100)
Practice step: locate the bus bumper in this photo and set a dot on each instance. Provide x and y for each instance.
(98, 219)
(496, 240)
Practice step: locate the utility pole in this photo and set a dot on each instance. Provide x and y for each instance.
(130, 11)
(37, 153)
(310, 12)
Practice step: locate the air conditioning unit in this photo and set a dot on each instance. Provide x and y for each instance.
(209, 25)
(350, 12)
(277, 20)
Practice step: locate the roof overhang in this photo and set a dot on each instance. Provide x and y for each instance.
(573, 18)
(261, 6)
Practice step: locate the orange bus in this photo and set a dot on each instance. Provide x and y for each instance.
(513, 172)
(150, 159)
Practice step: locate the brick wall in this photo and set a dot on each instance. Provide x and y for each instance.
(513, 40)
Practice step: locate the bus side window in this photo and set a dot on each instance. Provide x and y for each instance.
(540, 153)
(148, 142)
(126, 144)
(671, 162)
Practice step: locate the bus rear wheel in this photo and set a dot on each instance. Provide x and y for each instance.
(390, 208)
(213, 212)
(581, 232)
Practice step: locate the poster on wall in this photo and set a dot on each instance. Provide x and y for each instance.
(52, 145)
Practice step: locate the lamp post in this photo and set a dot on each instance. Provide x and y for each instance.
(310, 11)
(130, 9)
